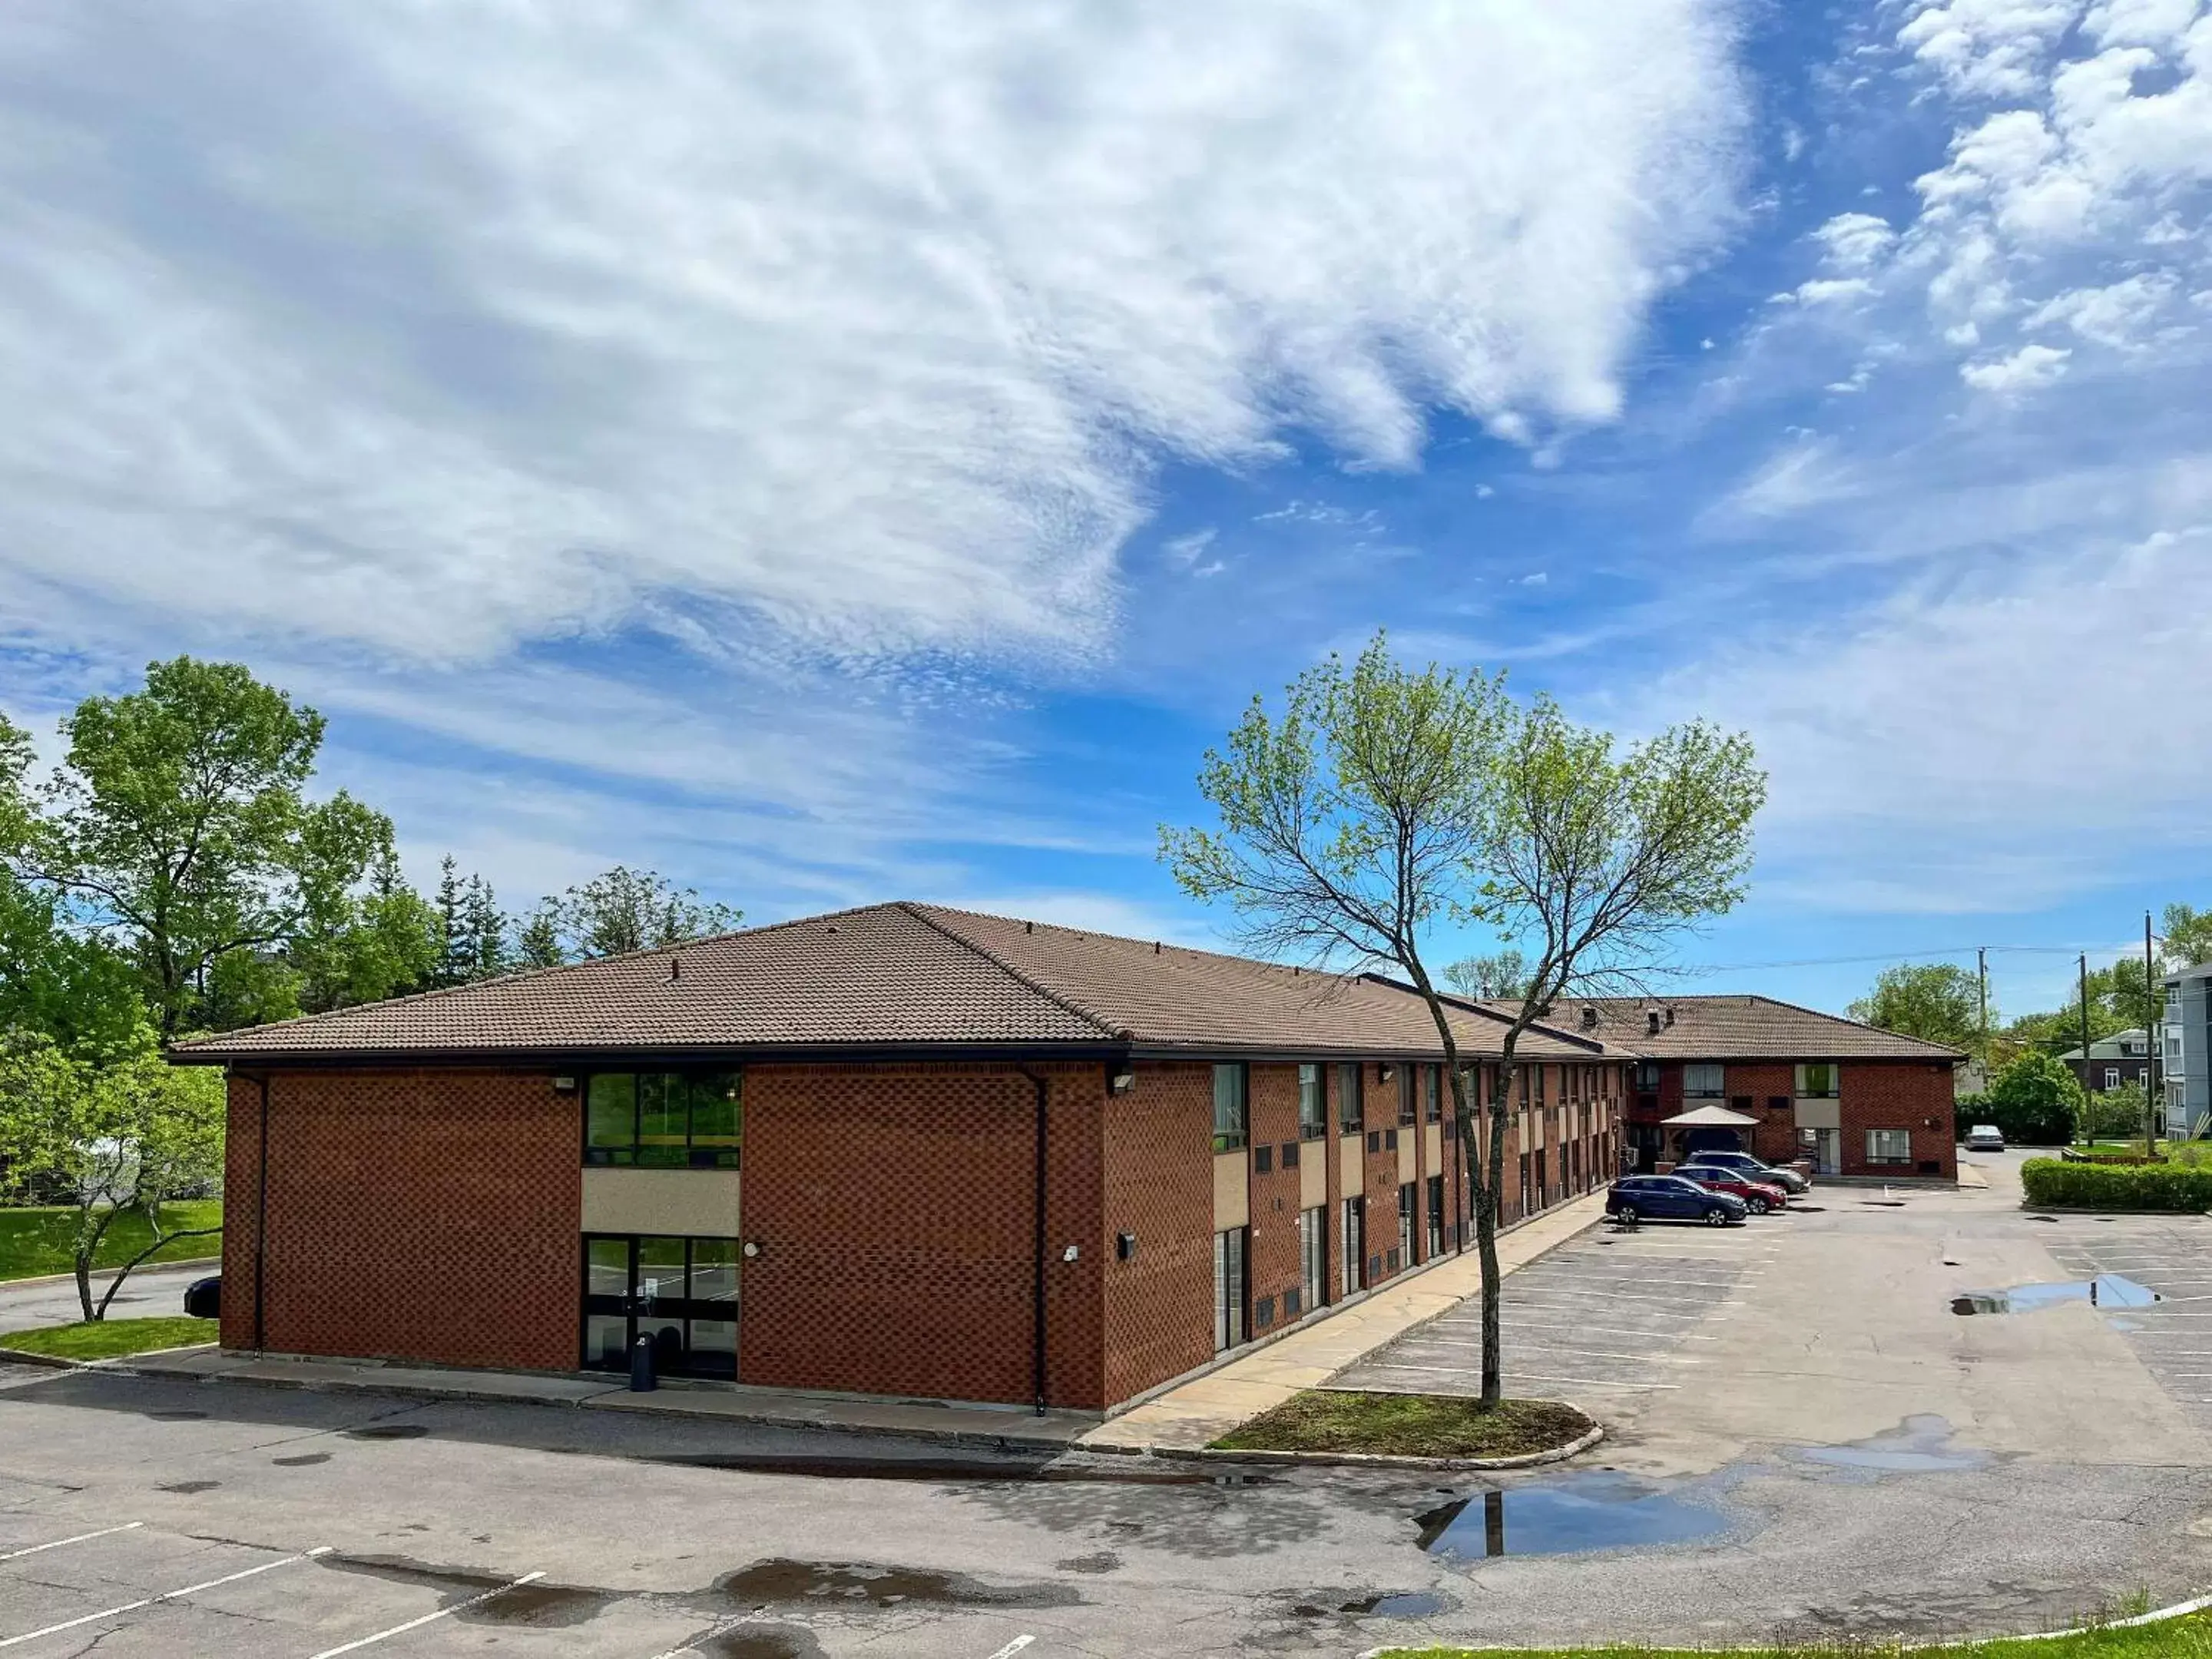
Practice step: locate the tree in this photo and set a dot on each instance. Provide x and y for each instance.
(471, 931)
(2188, 935)
(178, 820)
(1504, 976)
(620, 910)
(1936, 1001)
(61, 981)
(2035, 1099)
(2113, 1114)
(132, 1135)
(1384, 801)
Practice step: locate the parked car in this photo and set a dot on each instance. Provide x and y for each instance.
(1758, 1196)
(1789, 1180)
(203, 1297)
(1985, 1138)
(1670, 1197)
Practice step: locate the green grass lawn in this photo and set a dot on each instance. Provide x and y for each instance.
(2175, 1638)
(1407, 1426)
(35, 1240)
(110, 1337)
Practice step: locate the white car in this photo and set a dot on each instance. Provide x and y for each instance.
(1985, 1138)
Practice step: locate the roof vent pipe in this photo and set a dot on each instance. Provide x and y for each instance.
(1651, 1017)
(1670, 1014)
(1589, 1016)
(675, 968)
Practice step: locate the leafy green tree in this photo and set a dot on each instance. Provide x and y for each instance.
(177, 822)
(2188, 935)
(1384, 801)
(1504, 975)
(129, 1136)
(471, 931)
(618, 911)
(1937, 1001)
(2113, 1114)
(70, 985)
(2035, 1098)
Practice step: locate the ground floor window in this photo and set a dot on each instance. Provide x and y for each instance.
(1229, 1326)
(1889, 1145)
(1435, 1216)
(1313, 1254)
(681, 1292)
(1525, 1205)
(1406, 1197)
(1354, 1241)
(1543, 1190)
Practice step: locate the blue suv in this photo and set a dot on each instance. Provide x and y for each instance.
(1671, 1198)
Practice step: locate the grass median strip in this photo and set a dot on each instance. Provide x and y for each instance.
(34, 1239)
(1408, 1425)
(2189, 1638)
(107, 1338)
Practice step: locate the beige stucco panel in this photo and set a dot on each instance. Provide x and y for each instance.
(1351, 1172)
(1407, 1171)
(1821, 1113)
(1313, 1176)
(1232, 1191)
(702, 1203)
(1434, 1160)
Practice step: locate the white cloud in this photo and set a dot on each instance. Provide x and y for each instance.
(2028, 369)
(2119, 315)
(1856, 241)
(443, 327)
(1986, 48)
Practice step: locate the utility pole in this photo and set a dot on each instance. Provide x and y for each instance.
(2085, 1034)
(2151, 1044)
(1982, 972)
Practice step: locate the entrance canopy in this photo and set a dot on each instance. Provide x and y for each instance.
(1710, 1117)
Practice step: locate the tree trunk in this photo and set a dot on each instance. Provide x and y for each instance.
(1493, 1293)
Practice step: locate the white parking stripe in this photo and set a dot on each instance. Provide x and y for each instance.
(1555, 1307)
(428, 1618)
(1013, 1647)
(155, 1601)
(1589, 1382)
(105, 1532)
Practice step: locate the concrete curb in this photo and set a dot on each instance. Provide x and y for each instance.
(121, 1362)
(41, 1281)
(1574, 1448)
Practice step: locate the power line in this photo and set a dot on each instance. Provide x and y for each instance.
(1891, 956)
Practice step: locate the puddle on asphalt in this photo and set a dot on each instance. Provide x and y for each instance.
(1401, 1604)
(387, 1431)
(760, 1642)
(188, 1487)
(952, 1472)
(301, 1461)
(1597, 1509)
(1919, 1445)
(2104, 1291)
(541, 1605)
(177, 1417)
(780, 1582)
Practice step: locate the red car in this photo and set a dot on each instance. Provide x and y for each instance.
(1758, 1196)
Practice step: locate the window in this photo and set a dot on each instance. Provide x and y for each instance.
(1539, 1071)
(1406, 1194)
(1647, 1076)
(681, 1293)
(1354, 1243)
(1263, 1159)
(1229, 1087)
(1408, 1099)
(1432, 1093)
(2112, 1077)
(1889, 1145)
(1313, 1104)
(1313, 1254)
(664, 1120)
(1819, 1080)
(1351, 1104)
(1289, 1155)
(1435, 1216)
(1702, 1080)
(1229, 1328)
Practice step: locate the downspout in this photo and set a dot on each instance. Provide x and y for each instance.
(1036, 1289)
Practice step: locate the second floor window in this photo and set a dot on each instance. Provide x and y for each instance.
(1432, 1093)
(1702, 1081)
(1313, 1103)
(1351, 1113)
(1647, 1077)
(664, 1120)
(1819, 1080)
(1228, 1104)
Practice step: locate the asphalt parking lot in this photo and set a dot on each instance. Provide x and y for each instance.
(1612, 1315)
(2171, 1256)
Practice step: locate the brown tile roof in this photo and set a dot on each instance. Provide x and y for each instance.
(1738, 1028)
(899, 975)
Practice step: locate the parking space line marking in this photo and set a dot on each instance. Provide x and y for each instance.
(1589, 1382)
(105, 1532)
(1013, 1647)
(166, 1596)
(1687, 1283)
(428, 1618)
(1554, 1307)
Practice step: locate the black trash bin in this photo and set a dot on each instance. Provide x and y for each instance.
(643, 1377)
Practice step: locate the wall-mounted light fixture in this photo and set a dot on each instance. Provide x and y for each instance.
(751, 1249)
(1125, 1247)
(1069, 1253)
(1120, 1081)
(1386, 1073)
(564, 1086)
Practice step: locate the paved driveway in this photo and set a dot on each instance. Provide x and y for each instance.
(150, 1292)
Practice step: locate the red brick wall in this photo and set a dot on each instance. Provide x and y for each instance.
(1899, 1094)
(1158, 1165)
(1273, 1264)
(895, 1212)
(414, 1214)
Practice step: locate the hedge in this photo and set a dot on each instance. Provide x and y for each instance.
(2021, 1124)
(2116, 1187)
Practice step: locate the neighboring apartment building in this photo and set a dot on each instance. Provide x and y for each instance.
(2187, 1033)
(1854, 1099)
(900, 1149)
(2117, 1061)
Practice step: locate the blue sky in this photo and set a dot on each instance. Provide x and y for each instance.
(831, 455)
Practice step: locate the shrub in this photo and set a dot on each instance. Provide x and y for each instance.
(2087, 1186)
(2022, 1124)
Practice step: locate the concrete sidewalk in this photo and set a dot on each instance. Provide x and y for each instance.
(1206, 1407)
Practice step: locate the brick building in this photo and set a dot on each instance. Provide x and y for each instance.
(2117, 1061)
(900, 1150)
(1854, 1099)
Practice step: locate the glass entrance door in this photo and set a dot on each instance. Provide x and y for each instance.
(681, 1293)
(1827, 1152)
